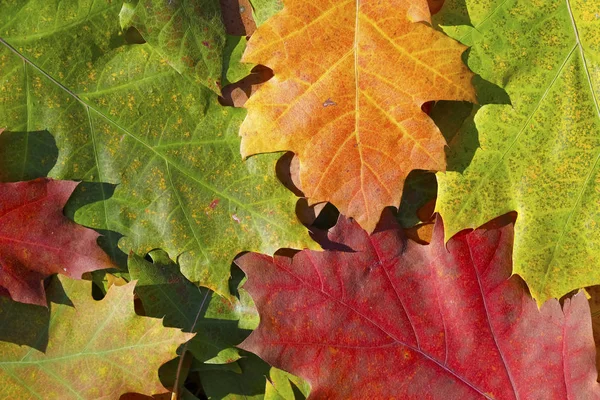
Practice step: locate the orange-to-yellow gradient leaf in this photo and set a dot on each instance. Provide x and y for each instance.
(350, 79)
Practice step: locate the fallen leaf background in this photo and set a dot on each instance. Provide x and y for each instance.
(72, 112)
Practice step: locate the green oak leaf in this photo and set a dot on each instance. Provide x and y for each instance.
(233, 69)
(26, 156)
(282, 385)
(189, 34)
(538, 156)
(221, 382)
(265, 9)
(249, 378)
(96, 349)
(121, 115)
(165, 292)
(25, 324)
(453, 19)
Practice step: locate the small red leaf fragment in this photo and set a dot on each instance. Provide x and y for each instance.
(395, 319)
(37, 240)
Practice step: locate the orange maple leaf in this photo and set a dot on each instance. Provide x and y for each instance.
(350, 79)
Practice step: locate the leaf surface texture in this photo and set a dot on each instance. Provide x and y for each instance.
(538, 156)
(121, 114)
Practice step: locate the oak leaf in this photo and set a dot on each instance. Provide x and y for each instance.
(350, 80)
(96, 349)
(392, 318)
(37, 240)
(538, 155)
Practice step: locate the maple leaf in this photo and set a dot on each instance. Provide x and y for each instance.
(392, 318)
(539, 155)
(94, 350)
(453, 18)
(37, 240)
(244, 379)
(121, 115)
(189, 34)
(350, 80)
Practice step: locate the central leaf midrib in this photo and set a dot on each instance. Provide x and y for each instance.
(100, 353)
(530, 117)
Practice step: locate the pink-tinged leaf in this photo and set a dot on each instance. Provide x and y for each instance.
(395, 319)
(37, 240)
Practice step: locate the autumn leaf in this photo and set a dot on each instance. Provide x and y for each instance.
(282, 386)
(189, 34)
(37, 240)
(245, 382)
(392, 318)
(96, 350)
(121, 115)
(26, 156)
(350, 80)
(453, 18)
(539, 155)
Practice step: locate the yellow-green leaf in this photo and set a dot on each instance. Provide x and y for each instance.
(538, 156)
(96, 349)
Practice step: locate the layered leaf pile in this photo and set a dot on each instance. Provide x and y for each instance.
(146, 236)
(121, 114)
(31, 219)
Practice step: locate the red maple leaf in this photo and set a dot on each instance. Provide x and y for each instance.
(394, 319)
(37, 240)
